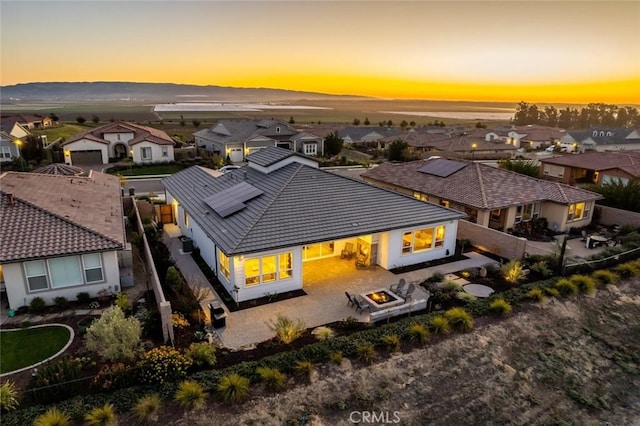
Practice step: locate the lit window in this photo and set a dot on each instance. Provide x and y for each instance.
(186, 219)
(36, 275)
(423, 239)
(92, 264)
(285, 266)
(420, 196)
(315, 251)
(407, 242)
(445, 203)
(252, 271)
(495, 215)
(440, 231)
(577, 212)
(224, 265)
(268, 268)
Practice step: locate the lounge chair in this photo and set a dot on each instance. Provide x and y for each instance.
(347, 252)
(361, 304)
(398, 287)
(350, 299)
(406, 294)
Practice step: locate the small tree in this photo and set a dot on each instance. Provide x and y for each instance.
(95, 119)
(404, 124)
(333, 144)
(80, 119)
(366, 121)
(291, 120)
(356, 122)
(397, 150)
(412, 123)
(479, 125)
(196, 123)
(389, 123)
(183, 123)
(513, 272)
(114, 337)
(524, 167)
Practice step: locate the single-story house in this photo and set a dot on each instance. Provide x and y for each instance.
(490, 196)
(238, 138)
(465, 146)
(9, 147)
(59, 236)
(602, 139)
(592, 167)
(259, 225)
(118, 140)
(532, 136)
(27, 121)
(351, 134)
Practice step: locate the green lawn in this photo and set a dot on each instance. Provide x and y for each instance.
(23, 348)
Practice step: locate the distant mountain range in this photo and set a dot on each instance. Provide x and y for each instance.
(149, 92)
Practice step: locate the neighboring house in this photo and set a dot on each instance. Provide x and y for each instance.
(258, 226)
(531, 136)
(592, 167)
(239, 138)
(59, 236)
(490, 196)
(9, 147)
(15, 129)
(118, 140)
(29, 122)
(59, 169)
(351, 134)
(601, 139)
(427, 144)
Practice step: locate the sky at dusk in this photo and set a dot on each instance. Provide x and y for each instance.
(578, 51)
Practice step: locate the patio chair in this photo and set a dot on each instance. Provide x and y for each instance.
(398, 287)
(350, 301)
(408, 292)
(347, 252)
(361, 304)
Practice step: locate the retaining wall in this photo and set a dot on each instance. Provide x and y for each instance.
(492, 241)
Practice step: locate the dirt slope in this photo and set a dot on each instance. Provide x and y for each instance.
(571, 360)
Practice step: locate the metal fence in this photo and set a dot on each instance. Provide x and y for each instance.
(587, 266)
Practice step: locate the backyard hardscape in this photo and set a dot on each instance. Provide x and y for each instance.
(324, 303)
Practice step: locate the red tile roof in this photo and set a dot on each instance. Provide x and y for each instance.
(56, 215)
(628, 161)
(140, 134)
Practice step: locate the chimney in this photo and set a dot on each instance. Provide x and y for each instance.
(10, 198)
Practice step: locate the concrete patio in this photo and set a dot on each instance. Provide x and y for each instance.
(325, 280)
(575, 248)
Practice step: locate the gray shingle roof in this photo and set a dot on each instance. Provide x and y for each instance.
(618, 135)
(479, 185)
(59, 215)
(300, 205)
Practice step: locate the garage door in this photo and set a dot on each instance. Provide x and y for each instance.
(235, 155)
(86, 157)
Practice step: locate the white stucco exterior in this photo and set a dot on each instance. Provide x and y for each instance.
(18, 293)
(86, 145)
(158, 153)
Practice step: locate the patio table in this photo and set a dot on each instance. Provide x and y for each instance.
(478, 290)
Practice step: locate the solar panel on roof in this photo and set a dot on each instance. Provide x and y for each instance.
(441, 167)
(231, 200)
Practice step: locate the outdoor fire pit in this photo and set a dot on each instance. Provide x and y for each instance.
(382, 298)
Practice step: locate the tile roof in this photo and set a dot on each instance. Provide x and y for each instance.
(141, 133)
(356, 133)
(618, 135)
(268, 157)
(55, 215)
(459, 143)
(243, 130)
(59, 169)
(597, 160)
(299, 205)
(478, 185)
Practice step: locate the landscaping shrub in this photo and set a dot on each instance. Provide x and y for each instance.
(173, 278)
(542, 268)
(52, 417)
(272, 378)
(102, 416)
(122, 302)
(287, 330)
(604, 276)
(56, 380)
(8, 396)
(536, 294)
(584, 283)
(304, 369)
(202, 354)
(366, 352)
(460, 318)
(513, 272)
(436, 277)
(323, 333)
(191, 395)
(61, 303)
(233, 388)
(391, 342)
(566, 287)
(36, 305)
(500, 307)
(552, 291)
(465, 297)
(417, 333)
(83, 297)
(336, 357)
(451, 286)
(627, 269)
(113, 376)
(114, 337)
(163, 364)
(147, 408)
(179, 321)
(440, 325)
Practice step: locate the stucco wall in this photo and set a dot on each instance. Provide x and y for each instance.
(156, 153)
(18, 294)
(496, 242)
(86, 145)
